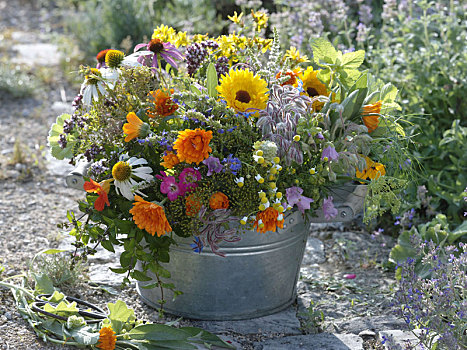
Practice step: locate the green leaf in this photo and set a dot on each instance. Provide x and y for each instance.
(119, 315)
(460, 231)
(53, 251)
(108, 245)
(85, 335)
(56, 297)
(62, 309)
(140, 276)
(157, 332)
(174, 344)
(157, 269)
(195, 90)
(118, 270)
(323, 51)
(206, 337)
(54, 135)
(353, 60)
(44, 284)
(211, 80)
(387, 126)
(348, 104)
(403, 249)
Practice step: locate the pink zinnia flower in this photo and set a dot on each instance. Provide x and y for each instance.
(156, 48)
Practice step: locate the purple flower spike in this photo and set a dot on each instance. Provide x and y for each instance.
(213, 164)
(294, 196)
(329, 210)
(330, 153)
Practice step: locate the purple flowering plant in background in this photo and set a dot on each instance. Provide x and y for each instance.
(436, 305)
(213, 164)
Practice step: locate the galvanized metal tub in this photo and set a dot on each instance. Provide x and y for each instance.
(257, 277)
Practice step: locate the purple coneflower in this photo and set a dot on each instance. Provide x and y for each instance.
(155, 48)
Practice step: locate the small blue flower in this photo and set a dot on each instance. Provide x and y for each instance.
(197, 245)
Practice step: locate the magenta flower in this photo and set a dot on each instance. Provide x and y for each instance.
(329, 210)
(294, 196)
(213, 164)
(350, 276)
(171, 187)
(330, 153)
(188, 178)
(156, 48)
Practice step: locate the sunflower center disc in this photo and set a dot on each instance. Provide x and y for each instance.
(243, 96)
(312, 92)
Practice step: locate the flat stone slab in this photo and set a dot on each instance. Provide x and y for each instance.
(284, 322)
(398, 337)
(314, 252)
(321, 341)
(39, 54)
(376, 323)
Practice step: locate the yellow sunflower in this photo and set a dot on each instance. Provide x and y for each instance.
(242, 90)
(313, 87)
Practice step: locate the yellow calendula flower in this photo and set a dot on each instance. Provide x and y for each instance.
(295, 57)
(243, 91)
(164, 33)
(313, 87)
(372, 171)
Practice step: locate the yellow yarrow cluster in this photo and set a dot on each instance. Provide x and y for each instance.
(260, 19)
(168, 34)
(295, 57)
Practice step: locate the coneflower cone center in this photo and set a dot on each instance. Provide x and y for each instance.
(312, 92)
(243, 96)
(156, 46)
(90, 79)
(113, 58)
(121, 171)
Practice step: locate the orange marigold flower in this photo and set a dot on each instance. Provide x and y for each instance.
(150, 217)
(372, 171)
(370, 115)
(192, 146)
(135, 127)
(107, 338)
(193, 205)
(219, 201)
(269, 219)
(293, 77)
(93, 187)
(170, 160)
(163, 104)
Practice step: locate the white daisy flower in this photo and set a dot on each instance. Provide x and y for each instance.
(240, 181)
(123, 173)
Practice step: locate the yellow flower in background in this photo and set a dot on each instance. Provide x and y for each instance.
(197, 38)
(113, 58)
(236, 18)
(313, 87)
(168, 34)
(370, 115)
(243, 91)
(295, 57)
(372, 171)
(260, 18)
(107, 338)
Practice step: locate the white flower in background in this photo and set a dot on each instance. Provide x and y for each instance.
(92, 87)
(124, 173)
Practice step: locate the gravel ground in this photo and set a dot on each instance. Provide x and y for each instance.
(34, 199)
